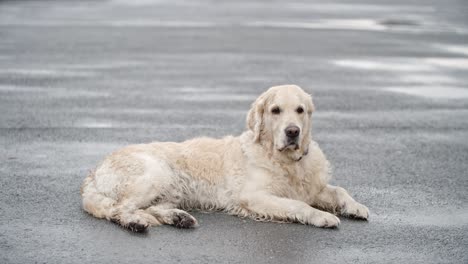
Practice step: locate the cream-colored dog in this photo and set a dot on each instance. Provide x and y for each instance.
(272, 172)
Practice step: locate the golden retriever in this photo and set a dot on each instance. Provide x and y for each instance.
(271, 172)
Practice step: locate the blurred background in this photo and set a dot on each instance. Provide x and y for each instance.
(79, 79)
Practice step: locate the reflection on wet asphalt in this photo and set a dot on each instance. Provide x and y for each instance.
(79, 79)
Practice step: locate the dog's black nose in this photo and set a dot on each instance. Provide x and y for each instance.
(292, 131)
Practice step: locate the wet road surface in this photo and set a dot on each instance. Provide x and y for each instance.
(79, 79)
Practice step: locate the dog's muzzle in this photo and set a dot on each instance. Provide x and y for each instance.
(291, 140)
(292, 135)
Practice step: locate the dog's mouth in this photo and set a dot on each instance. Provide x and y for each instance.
(291, 145)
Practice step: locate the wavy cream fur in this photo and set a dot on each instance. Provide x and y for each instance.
(248, 175)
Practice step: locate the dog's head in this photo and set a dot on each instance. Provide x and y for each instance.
(281, 119)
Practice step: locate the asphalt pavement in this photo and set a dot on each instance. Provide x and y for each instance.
(79, 79)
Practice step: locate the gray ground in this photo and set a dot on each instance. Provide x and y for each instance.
(389, 78)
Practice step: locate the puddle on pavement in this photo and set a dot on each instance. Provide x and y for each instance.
(398, 22)
(406, 64)
(50, 92)
(206, 97)
(453, 63)
(434, 92)
(398, 66)
(346, 24)
(457, 49)
(426, 79)
(47, 73)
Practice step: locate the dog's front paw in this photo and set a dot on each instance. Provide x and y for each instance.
(326, 220)
(355, 210)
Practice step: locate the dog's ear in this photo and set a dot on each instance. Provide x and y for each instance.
(306, 142)
(255, 117)
(308, 129)
(310, 105)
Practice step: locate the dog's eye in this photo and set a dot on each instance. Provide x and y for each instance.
(300, 110)
(276, 110)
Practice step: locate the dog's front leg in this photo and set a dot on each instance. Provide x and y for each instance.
(265, 206)
(337, 198)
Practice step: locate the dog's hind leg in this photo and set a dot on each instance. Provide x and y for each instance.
(166, 213)
(94, 202)
(99, 205)
(126, 212)
(129, 214)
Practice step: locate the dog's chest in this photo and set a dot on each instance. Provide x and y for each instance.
(295, 183)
